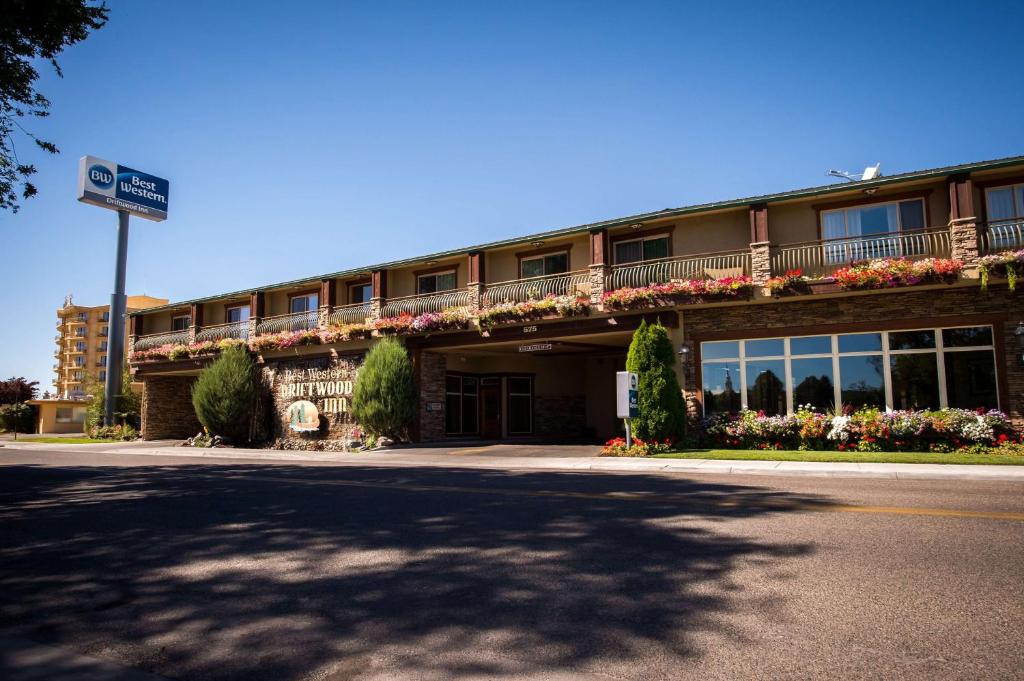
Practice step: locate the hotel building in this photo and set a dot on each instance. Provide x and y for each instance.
(927, 344)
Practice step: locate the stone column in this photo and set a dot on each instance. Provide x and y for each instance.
(963, 240)
(328, 299)
(477, 277)
(600, 281)
(323, 316)
(379, 283)
(196, 315)
(257, 303)
(761, 262)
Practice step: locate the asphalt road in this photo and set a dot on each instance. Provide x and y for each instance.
(251, 570)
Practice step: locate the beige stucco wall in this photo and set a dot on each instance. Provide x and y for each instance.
(46, 422)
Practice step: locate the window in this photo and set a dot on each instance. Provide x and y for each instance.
(102, 361)
(64, 414)
(914, 369)
(79, 361)
(181, 322)
(360, 293)
(540, 265)
(77, 375)
(80, 346)
(877, 219)
(236, 314)
(80, 333)
(103, 346)
(103, 375)
(307, 302)
(641, 249)
(104, 332)
(105, 317)
(461, 405)
(432, 283)
(520, 405)
(1005, 203)
(83, 316)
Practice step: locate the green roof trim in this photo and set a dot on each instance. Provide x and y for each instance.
(808, 192)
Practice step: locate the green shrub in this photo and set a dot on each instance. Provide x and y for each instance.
(118, 432)
(127, 410)
(659, 397)
(224, 395)
(383, 399)
(18, 417)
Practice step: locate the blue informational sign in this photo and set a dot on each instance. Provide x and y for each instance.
(110, 185)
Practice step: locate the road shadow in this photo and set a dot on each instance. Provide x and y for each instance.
(280, 572)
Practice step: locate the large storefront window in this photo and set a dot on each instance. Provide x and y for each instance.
(520, 405)
(917, 369)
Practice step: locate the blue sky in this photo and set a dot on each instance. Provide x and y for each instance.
(309, 137)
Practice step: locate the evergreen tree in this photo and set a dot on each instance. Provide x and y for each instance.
(224, 396)
(129, 404)
(384, 399)
(659, 397)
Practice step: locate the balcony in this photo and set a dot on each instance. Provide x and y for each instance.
(426, 302)
(355, 313)
(215, 332)
(296, 321)
(1002, 235)
(664, 270)
(155, 340)
(818, 259)
(533, 288)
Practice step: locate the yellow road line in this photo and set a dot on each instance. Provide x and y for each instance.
(733, 503)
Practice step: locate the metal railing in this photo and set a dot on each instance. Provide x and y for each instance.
(1003, 235)
(356, 313)
(664, 270)
(215, 332)
(155, 340)
(535, 288)
(296, 321)
(821, 258)
(426, 302)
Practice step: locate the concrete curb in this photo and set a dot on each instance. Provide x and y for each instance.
(441, 458)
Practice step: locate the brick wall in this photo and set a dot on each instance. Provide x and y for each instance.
(884, 309)
(167, 408)
(430, 388)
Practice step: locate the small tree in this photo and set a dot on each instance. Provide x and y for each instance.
(127, 410)
(651, 357)
(224, 396)
(15, 390)
(18, 417)
(384, 399)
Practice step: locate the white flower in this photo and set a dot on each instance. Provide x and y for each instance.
(840, 429)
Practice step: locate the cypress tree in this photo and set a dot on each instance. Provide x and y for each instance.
(659, 397)
(224, 396)
(384, 398)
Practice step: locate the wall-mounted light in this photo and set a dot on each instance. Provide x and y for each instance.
(636, 225)
(536, 244)
(430, 262)
(684, 359)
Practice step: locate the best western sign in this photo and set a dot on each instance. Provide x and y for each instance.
(114, 186)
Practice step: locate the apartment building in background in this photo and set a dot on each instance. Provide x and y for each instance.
(83, 333)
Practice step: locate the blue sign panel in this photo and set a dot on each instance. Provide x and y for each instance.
(118, 187)
(634, 405)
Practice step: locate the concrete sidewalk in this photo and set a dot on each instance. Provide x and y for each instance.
(493, 457)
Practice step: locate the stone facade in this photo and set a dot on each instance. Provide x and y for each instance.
(600, 275)
(938, 306)
(560, 416)
(325, 383)
(167, 408)
(761, 262)
(430, 387)
(963, 240)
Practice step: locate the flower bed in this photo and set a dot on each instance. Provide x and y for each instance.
(1006, 264)
(548, 306)
(617, 447)
(864, 430)
(673, 293)
(792, 281)
(896, 272)
(447, 320)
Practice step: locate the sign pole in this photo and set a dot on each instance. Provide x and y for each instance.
(115, 346)
(629, 433)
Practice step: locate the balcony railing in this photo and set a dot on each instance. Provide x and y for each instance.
(535, 288)
(215, 332)
(426, 302)
(356, 313)
(1003, 235)
(821, 258)
(664, 270)
(155, 340)
(296, 321)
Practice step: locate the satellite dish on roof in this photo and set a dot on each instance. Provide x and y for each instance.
(871, 172)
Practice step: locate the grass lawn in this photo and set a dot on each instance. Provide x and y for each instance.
(855, 457)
